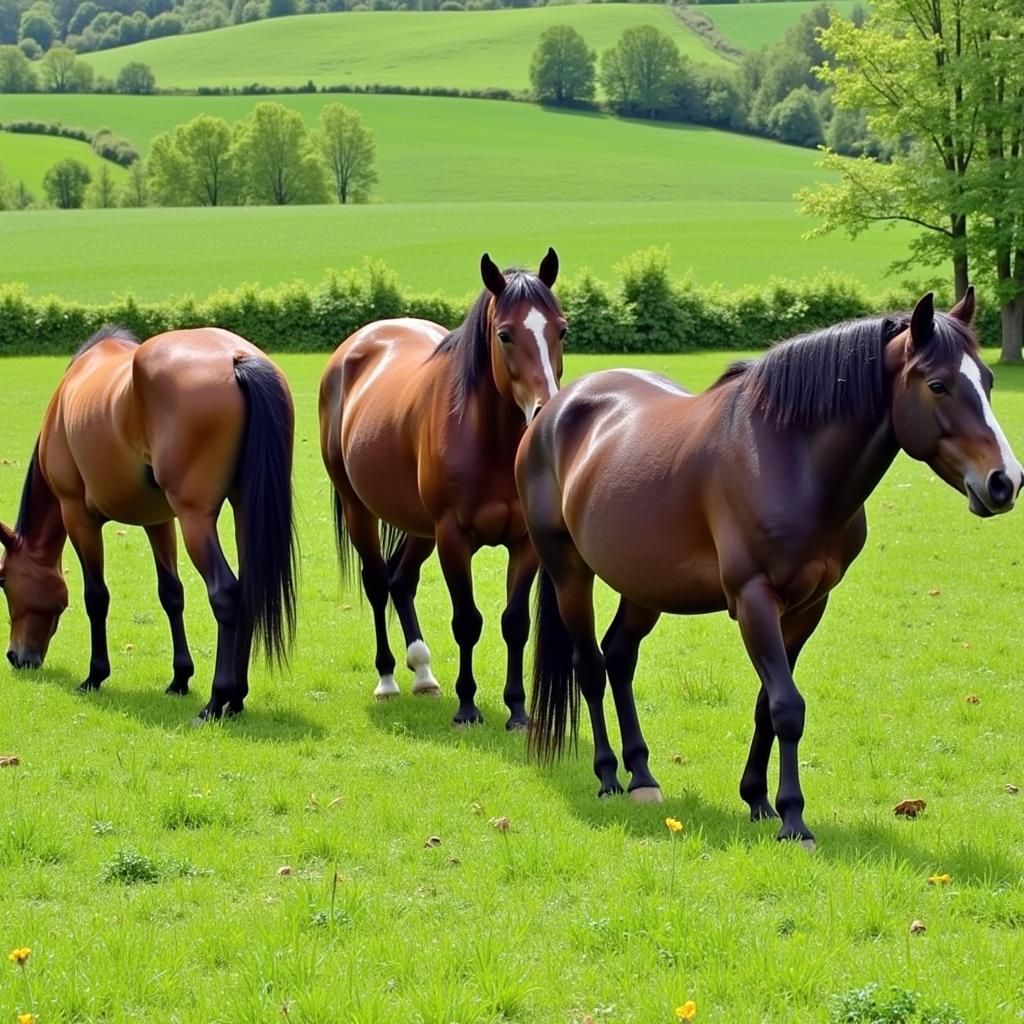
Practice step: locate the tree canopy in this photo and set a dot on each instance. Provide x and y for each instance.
(562, 69)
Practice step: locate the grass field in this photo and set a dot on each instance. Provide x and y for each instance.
(28, 157)
(454, 49)
(723, 201)
(753, 25)
(577, 912)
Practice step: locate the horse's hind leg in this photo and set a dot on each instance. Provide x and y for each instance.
(796, 630)
(515, 627)
(364, 533)
(621, 647)
(405, 578)
(199, 531)
(163, 541)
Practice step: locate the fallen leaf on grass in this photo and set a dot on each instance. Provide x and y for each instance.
(972, 698)
(477, 807)
(917, 927)
(283, 870)
(432, 841)
(939, 880)
(934, 592)
(334, 803)
(1010, 787)
(122, 533)
(677, 758)
(501, 824)
(10, 762)
(909, 808)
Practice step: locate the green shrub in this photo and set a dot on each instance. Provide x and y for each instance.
(871, 1005)
(129, 867)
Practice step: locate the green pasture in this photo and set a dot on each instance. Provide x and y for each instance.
(457, 177)
(28, 157)
(753, 25)
(454, 49)
(583, 910)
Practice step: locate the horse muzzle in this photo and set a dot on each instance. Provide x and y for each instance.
(24, 659)
(996, 496)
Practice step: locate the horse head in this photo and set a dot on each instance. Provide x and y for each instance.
(941, 410)
(36, 597)
(527, 330)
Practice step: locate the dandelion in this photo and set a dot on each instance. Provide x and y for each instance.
(673, 825)
(26, 1018)
(19, 956)
(687, 1011)
(939, 880)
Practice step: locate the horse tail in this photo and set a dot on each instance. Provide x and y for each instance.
(555, 701)
(267, 562)
(392, 541)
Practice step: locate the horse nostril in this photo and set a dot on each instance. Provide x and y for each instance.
(12, 658)
(1000, 487)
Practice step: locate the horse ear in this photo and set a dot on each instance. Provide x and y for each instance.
(922, 321)
(7, 537)
(494, 279)
(548, 272)
(964, 309)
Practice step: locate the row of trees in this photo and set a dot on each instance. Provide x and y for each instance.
(62, 70)
(268, 158)
(772, 92)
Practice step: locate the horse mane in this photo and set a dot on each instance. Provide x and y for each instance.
(838, 372)
(469, 345)
(114, 331)
(25, 505)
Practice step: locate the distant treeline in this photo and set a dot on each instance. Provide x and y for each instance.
(647, 311)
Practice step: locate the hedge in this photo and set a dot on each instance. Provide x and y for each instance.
(646, 312)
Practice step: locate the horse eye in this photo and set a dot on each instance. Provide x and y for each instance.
(504, 337)
(562, 333)
(936, 387)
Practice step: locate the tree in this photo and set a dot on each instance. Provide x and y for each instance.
(16, 71)
(639, 73)
(64, 71)
(6, 192)
(562, 69)
(348, 150)
(38, 25)
(102, 191)
(136, 78)
(65, 183)
(280, 8)
(136, 188)
(280, 165)
(10, 18)
(194, 165)
(796, 120)
(949, 76)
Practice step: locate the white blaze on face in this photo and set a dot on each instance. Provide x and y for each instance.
(969, 368)
(535, 323)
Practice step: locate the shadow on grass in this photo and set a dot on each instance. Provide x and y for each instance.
(850, 844)
(156, 709)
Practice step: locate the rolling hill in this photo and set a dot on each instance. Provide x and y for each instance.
(753, 25)
(27, 157)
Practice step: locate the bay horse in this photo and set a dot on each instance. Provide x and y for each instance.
(419, 428)
(145, 434)
(748, 498)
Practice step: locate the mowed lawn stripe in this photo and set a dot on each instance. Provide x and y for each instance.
(451, 49)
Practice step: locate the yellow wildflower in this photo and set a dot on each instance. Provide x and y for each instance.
(19, 956)
(687, 1011)
(674, 825)
(26, 1018)
(939, 879)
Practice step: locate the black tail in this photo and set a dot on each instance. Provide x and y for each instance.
(555, 702)
(267, 566)
(391, 541)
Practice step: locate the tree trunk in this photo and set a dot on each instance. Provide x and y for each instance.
(1013, 330)
(961, 278)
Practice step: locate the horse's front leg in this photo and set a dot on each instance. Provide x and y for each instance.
(86, 534)
(515, 626)
(758, 614)
(203, 545)
(455, 551)
(164, 542)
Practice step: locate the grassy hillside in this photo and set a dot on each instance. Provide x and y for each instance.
(753, 25)
(27, 158)
(584, 908)
(457, 49)
(595, 187)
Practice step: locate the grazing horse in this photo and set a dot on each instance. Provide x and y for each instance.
(419, 428)
(747, 498)
(143, 434)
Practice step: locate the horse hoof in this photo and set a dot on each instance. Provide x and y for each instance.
(460, 721)
(176, 691)
(88, 686)
(646, 795)
(386, 689)
(517, 722)
(426, 688)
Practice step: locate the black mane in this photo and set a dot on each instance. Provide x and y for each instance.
(25, 505)
(838, 372)
(114, 331)
(469, 344)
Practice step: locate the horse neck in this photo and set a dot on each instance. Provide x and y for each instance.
(44, 533)
(497, 417)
